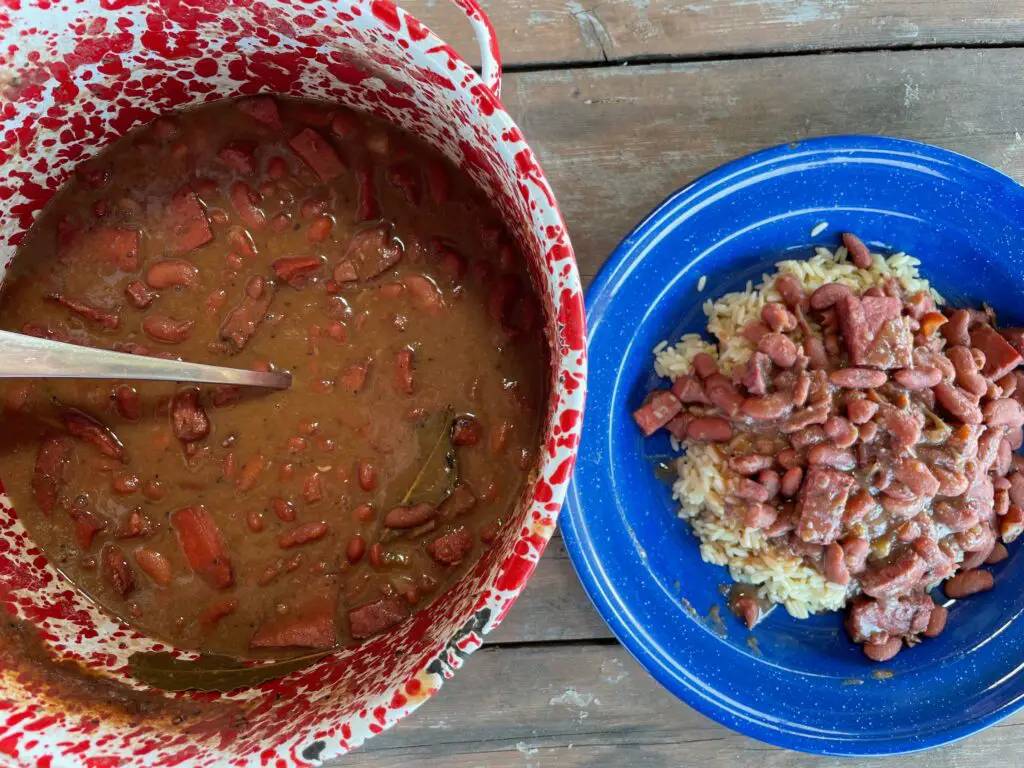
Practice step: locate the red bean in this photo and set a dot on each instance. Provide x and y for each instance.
(955, 330)
(828, 294)
(748, 490)
(801, 389)
(129, 405)
(767, 407)
(355, 549)
(167, 329)
(790, 289)
(367, 475)
(302, 534)
(1004, 412)
(967, 375)
(770, 479)
(154, 565)
(883, 651)
(918, 378)
(169, 273)
(409, 517)
(857, 378)
(779, 348)
(751, 463)
(1011, 525)
(855, 550)
(789, 458)
(753, 331)
(936, 621)
(957, 402)
(710, 428)
(859, 253)
(998, 554)
(834, 565)
(967, 583)
(722, 393)
(816, 353)
(759, 516)
(841, 432)
(790, 484)
(830, 456)
(861, 411)
(777, 317)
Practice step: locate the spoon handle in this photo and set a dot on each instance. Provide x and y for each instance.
(29, 357)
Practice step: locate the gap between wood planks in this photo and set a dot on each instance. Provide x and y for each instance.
(710, 57)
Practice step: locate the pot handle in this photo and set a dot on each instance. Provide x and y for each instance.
(487, 39)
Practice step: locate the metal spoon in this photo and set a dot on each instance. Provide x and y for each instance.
(28, 357)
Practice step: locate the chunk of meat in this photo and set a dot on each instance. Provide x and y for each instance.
(318, 154)
(1014, 337)
(451, 548)
(85, 524)
(820, 504)
(373, 618)
(118, 246)
(262, 109)
(876, 620)
(241, 323)
(295, 269)
(239, 156)
(1000, 356)
(50, 472)
(116, 571)
(755, 376)
(307, 625)
(660, 407)
(373, 251)
(88, 429)
(138, 295)
(101, 317)
(188, 417)
(892, 347)
(185, 225)
(896, 577)
(203, 546)
(689, 390)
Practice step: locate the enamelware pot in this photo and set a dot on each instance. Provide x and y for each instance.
(77, 75)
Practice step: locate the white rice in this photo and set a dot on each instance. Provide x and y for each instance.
(703, 475)
(820, 227)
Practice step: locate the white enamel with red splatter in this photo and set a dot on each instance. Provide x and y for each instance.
(77, 75)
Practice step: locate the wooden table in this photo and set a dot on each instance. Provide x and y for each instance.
(625, 101)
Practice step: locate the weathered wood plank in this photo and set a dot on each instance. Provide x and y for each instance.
(553, 606)
(539, 32)
(592, 706)
(615, 141)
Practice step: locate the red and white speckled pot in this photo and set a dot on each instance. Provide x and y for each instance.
(79, 73)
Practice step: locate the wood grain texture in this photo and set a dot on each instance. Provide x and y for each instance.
(593, 706)
(615, 141)
(540, 32)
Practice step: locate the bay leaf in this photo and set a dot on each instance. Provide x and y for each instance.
(439, 473)
(210, 671)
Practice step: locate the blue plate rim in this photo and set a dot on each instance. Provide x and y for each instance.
(614, 611)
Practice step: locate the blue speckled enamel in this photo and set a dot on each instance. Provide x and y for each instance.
(638, 562)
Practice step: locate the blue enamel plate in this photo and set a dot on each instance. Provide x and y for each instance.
(796, 684)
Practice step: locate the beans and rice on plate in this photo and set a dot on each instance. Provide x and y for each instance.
(848, 442)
